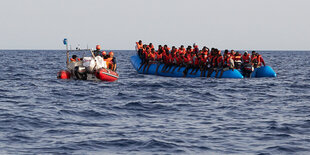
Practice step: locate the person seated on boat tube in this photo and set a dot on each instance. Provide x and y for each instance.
(189, 62)
(257, 61)
(151, 59)
(111, 61)
(145, 58)
(74, 58)
(247, 67)
(220, 62)
(228, 63)
(213, 65)
(253, 55)
(97, 52)
(237, 60)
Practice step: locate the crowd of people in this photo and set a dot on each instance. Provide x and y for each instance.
(108, 58)
(197, 59)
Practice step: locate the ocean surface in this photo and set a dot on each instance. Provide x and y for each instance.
(145, 114)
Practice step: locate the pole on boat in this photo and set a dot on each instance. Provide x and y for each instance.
(65, 41)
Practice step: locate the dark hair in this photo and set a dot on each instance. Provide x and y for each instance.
(74, 56)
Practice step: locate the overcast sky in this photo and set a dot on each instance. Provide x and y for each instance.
(117, 24)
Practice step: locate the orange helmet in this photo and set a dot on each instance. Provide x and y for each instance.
(111, 53)
(104, 53)
(98, 47)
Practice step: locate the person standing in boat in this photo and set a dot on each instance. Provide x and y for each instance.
(97, 52)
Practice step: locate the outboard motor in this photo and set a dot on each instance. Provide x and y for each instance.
(247, 70)
(80, 73)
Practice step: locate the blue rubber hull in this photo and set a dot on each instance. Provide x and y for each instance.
(136, 62)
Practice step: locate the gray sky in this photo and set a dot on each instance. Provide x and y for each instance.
(117, 24)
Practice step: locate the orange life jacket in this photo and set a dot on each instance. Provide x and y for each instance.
(246, 59)
(237, 58)
(139, 46)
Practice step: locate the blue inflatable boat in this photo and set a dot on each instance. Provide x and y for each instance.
(264, 71)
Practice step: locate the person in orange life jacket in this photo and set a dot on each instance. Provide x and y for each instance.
(176, 61)
(139, 48)
(220, 62)
(257, 61)
(228, 63)
(204, 61)
(181, 62)
(151, 46)
(253, 54)
(166, 59)
(111, 61)
(144, 57)
(196, 49)
(171, 62)
(232, 54)
(97, 52)
(237, 60)
(151, 58)
(104, 55)
(213, 63)
(74, 58)
(159, 59)
(189, 63)
(195, 66)
(182, 49)
(198, 62)
(247, 67)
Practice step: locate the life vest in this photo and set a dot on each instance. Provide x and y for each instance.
(237, 58)
(227, 62)
(109, 62)
(158, 56)
(73, 60)
(182, 50)
(139, 46)
(259, 58)
(220, 61)
(152, 56)
(246, 59)
(214, 61)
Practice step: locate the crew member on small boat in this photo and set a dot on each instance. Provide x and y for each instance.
(74, 58)
(97, 52)
(111, 61)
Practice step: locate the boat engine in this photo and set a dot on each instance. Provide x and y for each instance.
(80, 73)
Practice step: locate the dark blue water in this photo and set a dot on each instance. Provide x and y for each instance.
(145, 114)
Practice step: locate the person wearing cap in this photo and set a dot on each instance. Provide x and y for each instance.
(97, 52)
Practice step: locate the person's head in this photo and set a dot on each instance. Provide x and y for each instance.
(150, 44)
(140, 41)
(152, 50)
(74, 56)
(182, 46)
(237, 53)
(257, 54)
(226, 52)
(253, 52)
(246, 53)
(98, 47)
(111, 54)
(104, 53)
(233, 52)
